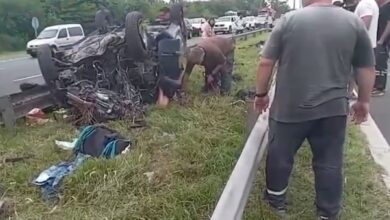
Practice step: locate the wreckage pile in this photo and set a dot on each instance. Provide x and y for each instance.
(114, 73)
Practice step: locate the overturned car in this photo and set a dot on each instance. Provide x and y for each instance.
(114, 74)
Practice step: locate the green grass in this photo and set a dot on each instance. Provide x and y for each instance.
(12, 55)
(191, 151)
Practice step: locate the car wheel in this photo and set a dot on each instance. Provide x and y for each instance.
(47, 66)
(189, 34)
(230, 30)
(136, 37)
(33, 55)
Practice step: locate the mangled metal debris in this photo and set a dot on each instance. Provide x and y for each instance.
(115, 74)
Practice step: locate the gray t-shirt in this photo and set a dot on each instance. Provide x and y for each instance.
(316, 48)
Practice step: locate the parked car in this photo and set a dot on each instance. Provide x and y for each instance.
(56, 36)
(197, 25)
(250, 22)
(189, 28)
(229, 24)
(263, 21)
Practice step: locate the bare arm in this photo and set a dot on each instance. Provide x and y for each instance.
(270, 55)
(364, 62)
(385, 34)
(264, 73)
(218, 68)
(365, 78)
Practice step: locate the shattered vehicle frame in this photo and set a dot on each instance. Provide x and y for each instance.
(111, 75)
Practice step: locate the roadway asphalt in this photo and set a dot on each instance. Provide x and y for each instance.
(18, 71)
(26, 70)
(380, 112)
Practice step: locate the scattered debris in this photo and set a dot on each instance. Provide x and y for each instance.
(150, 176)
(93, 141)
(17, 159)
(64, 145)
(246, 94)
(36, 117)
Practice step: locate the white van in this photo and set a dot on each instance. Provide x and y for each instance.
(57, 36)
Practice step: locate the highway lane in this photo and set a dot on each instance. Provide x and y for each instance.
(26, 70)
(18, 71)
(380, 112)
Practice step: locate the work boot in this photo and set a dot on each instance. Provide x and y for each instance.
(277, 204)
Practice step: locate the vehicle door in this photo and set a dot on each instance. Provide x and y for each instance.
(62, 37)
(75, 34)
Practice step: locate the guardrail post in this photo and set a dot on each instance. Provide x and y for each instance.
(7, 112)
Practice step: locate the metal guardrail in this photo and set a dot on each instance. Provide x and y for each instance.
(13, 107)
(235, 195)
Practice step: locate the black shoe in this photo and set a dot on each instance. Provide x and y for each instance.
(277, 204)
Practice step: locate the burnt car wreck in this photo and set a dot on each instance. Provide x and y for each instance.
(114, 73)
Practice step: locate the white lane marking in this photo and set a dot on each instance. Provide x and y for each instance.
(15, 59)
(26, 78)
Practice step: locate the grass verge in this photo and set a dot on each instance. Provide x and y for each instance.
(191, 151)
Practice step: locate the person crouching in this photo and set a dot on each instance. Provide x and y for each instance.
(216, 55)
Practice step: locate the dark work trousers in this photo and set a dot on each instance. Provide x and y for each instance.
(227, 76)
(326, 137)
(381, 68)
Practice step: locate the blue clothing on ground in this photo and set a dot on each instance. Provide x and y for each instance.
(50, 179)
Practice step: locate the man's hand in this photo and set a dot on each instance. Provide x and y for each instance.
(261, 104)
(210, 79)
(360, 111)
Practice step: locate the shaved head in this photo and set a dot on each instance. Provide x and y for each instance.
(196, 55)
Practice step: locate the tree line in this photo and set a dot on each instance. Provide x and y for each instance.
(16, 15)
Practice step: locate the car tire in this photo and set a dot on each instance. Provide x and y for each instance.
(135, 36)
(33, 55)
(47, 66)
(230, 30)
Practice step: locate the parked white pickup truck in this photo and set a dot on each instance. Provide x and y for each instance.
(56, 36)
(229, 24)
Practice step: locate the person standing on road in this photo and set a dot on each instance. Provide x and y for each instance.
(382, 51)
(368, 11)
(208, 28)
(315, 48)
(216, 54)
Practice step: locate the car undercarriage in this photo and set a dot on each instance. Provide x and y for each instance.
(116, 73)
